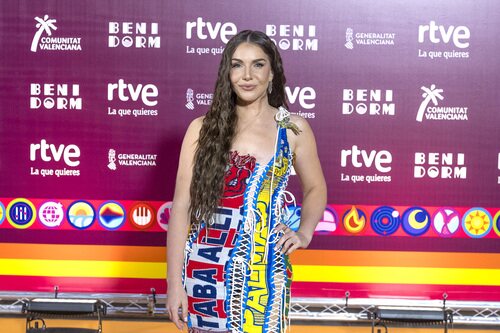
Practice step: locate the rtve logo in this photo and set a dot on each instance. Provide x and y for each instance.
(306, 96)
(204, 30)
(147, 93)
(436, 34)
(360, 158)
(48, 152)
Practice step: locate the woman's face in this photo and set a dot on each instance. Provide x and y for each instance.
(250, 73)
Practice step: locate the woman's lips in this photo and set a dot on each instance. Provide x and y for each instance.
(247, 87)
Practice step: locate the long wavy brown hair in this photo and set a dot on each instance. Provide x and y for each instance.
(218, 128)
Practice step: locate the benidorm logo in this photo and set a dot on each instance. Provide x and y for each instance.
(437, 112)
(134, 34)
(440, 165)
(55, 96)
(373, 102)
(293, 37)
(49, 42)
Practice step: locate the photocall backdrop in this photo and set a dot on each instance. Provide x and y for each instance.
(402, 97)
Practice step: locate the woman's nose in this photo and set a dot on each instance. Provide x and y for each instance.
(248, 74)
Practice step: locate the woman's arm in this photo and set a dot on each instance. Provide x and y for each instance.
(178, 226)
(308, 168)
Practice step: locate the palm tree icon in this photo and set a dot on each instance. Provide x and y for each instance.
(431, 94)
(42, 25)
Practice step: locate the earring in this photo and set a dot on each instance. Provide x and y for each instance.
(270, 87)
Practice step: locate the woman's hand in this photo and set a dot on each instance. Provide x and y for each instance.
(290, 240)
(177, 299)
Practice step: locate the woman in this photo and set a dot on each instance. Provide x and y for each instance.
(228, 239)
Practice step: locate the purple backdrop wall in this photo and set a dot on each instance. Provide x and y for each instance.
(95, 98)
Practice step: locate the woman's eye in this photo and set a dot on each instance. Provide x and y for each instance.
(259, 65)
(235, 65)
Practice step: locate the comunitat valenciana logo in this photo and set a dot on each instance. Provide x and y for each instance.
(368, 38)
(431, 109)
(364, 160)
(145, 94)
(370, 102)
(54, 154)
(443, 41)
(212, 32)
(43, 39)
(139, 35)
(293, 37)
(51, 96)
(130, 159)
(440, 165)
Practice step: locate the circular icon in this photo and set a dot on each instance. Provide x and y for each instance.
(354, 220)
(127, 41)
(21, 213)
(51, 214)
(141, 215)
(446, 221)
(81, 214)
(328, 224)
(385, 220)
(292, 219)
(111, 215)
(2, 213)
(477, 222)
(496, 223)
(163, 215)
(416, 221)
(284, 44)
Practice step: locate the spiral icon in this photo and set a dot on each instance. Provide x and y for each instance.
(385, 220)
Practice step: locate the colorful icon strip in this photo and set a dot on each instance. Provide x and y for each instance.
(22, 213)
(360, 220)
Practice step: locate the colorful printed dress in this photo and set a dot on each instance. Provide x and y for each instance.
(235, 277)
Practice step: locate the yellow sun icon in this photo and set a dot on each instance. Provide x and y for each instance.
(477, 222)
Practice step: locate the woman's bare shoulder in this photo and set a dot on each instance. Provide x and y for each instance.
(301, 123)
